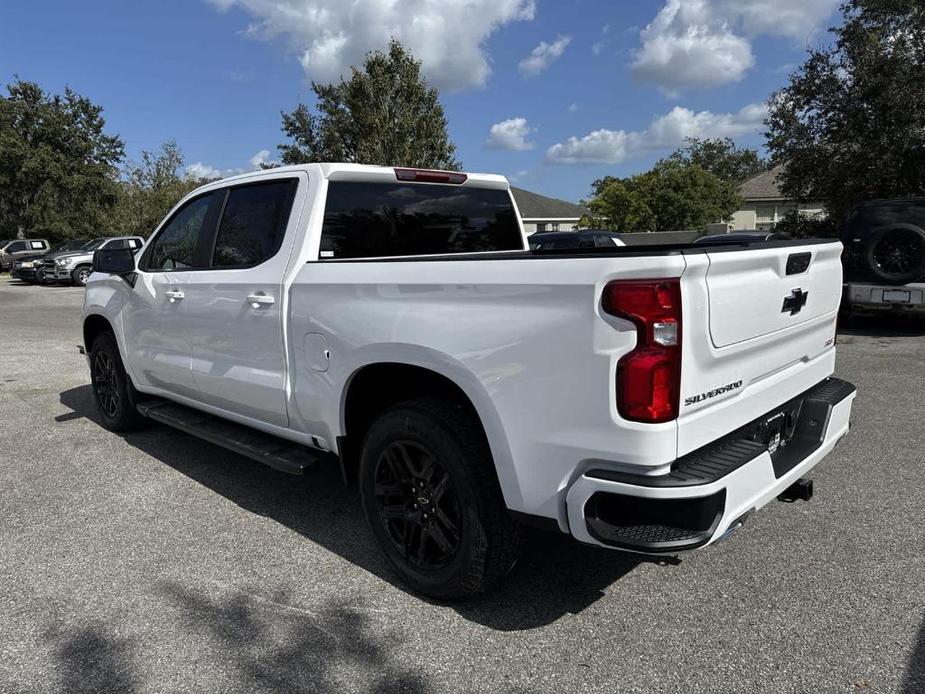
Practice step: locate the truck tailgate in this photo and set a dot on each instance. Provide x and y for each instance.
(753, 293)
(759, 328)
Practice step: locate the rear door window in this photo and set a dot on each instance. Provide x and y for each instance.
(371, 220)
(253, 223)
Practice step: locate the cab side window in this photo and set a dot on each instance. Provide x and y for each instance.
(253, 223)
(175, 246)
(16, 247)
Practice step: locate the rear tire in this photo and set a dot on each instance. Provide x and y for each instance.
(432, 500)
(113, 392)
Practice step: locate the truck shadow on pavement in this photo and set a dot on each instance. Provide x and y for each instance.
(556, 576)
(887, 325)
(914, 681)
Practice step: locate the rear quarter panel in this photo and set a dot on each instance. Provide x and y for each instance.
(524, 338)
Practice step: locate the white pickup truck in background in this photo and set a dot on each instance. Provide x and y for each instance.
(641, 398)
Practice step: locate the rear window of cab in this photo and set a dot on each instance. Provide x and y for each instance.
(375, 220)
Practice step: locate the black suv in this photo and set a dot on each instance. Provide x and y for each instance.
(885, 242)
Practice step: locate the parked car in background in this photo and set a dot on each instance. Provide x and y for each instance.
(75, 267)
(31, 268)
(884, 256)
(17, 248)
(741, 237)
(394, 319)
(585, 238)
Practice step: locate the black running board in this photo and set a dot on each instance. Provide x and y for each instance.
(275, 452)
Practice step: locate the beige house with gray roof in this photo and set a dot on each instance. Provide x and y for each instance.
(765, 205)
(540, 213)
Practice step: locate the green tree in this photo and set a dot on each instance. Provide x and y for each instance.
(149, 189)
(671, 196)
(720, 157)
(57, 164)
(616, 207)
(850, 125)
(384, 114)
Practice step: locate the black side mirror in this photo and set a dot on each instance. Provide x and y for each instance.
(114, 261)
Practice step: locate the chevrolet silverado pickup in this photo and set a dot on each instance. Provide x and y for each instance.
(394, 320)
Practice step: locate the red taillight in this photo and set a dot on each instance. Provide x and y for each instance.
(649, 377)
(430, 176)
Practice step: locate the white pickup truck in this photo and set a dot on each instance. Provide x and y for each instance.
(641, 398)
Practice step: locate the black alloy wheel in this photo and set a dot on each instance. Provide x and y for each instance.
(418, 504)
(105, 385)
(431, 497)
(115, 396)
(896, 255)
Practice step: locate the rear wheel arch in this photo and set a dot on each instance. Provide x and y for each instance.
(374, 387)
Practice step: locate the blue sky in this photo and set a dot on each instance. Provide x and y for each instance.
(551, 93)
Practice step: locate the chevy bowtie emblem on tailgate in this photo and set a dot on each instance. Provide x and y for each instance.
(794, 303)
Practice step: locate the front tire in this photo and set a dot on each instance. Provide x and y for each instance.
(81, 274)
(432, 500)
(113, 392)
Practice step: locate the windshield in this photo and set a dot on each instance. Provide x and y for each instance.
(67, 246)
(95, 243)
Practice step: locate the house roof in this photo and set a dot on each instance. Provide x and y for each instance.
(763, 186)
(535, 206)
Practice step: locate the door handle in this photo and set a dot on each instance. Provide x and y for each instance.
(174, 295)
(260, 299)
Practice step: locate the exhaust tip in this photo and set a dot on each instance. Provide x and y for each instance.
(801, 490)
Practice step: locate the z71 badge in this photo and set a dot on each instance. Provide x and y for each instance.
(700, 397)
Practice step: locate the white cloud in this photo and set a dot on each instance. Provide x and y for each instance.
(543, 55)
(447, 36)
(573, 107)
(599, 46)
(200, 170)
(665, 132)
(598, 147)
(796, 19)
(704, 43)
(510, 134)
(260, 158)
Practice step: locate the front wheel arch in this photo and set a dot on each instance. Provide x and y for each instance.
(94, 326)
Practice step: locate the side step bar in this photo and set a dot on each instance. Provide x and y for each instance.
(277, 453)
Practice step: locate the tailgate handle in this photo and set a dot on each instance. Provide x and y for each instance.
(798, 262)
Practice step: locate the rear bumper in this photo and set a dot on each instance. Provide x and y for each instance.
(878, 297)
(710, 491)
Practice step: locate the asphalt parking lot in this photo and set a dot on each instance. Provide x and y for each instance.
(156, 562)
